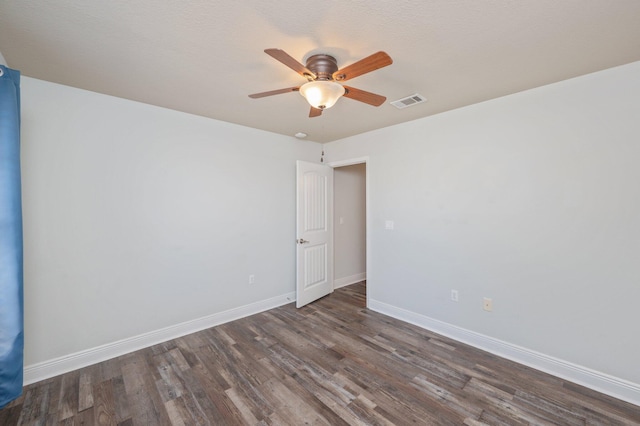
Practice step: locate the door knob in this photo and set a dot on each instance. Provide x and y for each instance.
(302, 241)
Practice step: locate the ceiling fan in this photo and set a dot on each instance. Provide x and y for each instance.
(322, 89)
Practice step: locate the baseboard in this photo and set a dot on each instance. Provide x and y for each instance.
(51, 368)
(352, 279)
(598, 381)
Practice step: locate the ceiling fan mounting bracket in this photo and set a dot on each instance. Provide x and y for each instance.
(323, 66)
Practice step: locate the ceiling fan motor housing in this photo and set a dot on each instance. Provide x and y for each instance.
(323, 66)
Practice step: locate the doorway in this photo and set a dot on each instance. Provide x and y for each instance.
(350, 222)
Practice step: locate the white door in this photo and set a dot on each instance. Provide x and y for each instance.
(314, 230)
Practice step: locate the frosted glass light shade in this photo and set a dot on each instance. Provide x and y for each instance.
(322, 94)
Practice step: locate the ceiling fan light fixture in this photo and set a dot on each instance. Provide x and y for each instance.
(322, 94)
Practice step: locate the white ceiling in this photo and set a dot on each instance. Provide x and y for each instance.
(205, 56)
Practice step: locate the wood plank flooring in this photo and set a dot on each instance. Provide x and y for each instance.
(331, 363)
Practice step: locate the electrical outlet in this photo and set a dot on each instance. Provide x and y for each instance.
(252, 279)
(487, 304)
(454, 295)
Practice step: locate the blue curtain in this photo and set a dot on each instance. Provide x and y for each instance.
(11, 296)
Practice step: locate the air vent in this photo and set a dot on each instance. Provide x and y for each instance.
(409, 101)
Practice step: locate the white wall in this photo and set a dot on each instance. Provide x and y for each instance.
(138, 218)
(532, 200)
(349, 195)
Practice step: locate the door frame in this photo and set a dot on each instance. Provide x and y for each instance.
(350, 162)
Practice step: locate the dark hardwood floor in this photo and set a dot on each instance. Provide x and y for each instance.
(333, 362)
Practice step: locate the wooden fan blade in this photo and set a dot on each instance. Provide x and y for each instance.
(285, 58)
(274, 92)
(363, 96)
(363, 66)
(315, 112)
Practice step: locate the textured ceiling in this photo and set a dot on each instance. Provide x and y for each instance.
(204, 56)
